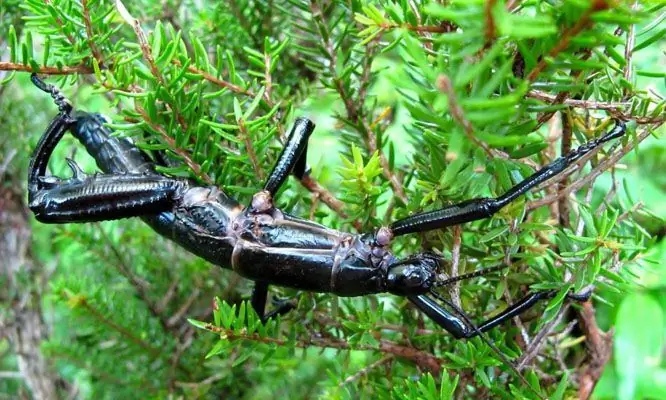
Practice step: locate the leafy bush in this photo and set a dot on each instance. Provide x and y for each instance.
(418, 104)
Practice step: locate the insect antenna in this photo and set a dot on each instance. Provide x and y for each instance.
(60, 100)
(470, 275)
(483, 336)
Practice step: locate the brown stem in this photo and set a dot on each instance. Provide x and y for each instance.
(423, 359)
(444, 85)
(139, 285)
(539, 339)
(366, 370)
(490, 21)
(427, 44)
(657, 120)
(327, 198)
(97, 315)
(215, 80)
(89, 33)
(184, 307)
(168, 296)
(563, 96)
(77, 69)
(354, 108)
(629, 51)
(563, 203)
(567, 35)
(61, 25)
(586, 104)
(146, 50)
(454, 290)
(249, 148)
(267, 76)
(196, 168)
(415, 28)
(600, 348)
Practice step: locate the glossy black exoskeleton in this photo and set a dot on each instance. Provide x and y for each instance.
(259, 241)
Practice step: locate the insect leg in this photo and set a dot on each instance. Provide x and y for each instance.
(475, 209)
(291, 160)
(40, 157)
(293, 156)
(86, 198)
(259, 296)
(459, 328)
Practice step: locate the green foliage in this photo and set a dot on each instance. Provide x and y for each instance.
(419, 104)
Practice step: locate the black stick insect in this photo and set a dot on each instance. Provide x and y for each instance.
(259, 241)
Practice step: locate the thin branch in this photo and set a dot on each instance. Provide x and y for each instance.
(181, 346)
(567, 35)
(96, 314)
(444, 85)
(366, 370)
(563, 96)
(355, 113)
(629, 51)
(143, 42)
(414, 28)
(407, 330)
(422, 358)
(168, 296)
(454, 288)
(195, 385)
(61, 25)
(491, 28)
(147, 52)
(7, 161)
(586, 104)
(537, 343)
(600, 348)
(656, 120)
(327, 198)
(195, 167)
(267, 76)
(512, 5)
(427, 43)
(215, 80)
(139, 285)
(563, 207)
(184, 307)
(249, 148)
(64, 70)
(89, 33)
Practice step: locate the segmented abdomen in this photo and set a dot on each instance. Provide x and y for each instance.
(113, 154)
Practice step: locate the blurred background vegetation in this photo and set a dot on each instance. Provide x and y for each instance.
(449, 100)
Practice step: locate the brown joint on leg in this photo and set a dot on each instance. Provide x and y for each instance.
(261, 202)
(384, 236)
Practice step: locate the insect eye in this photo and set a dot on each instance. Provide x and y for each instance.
(406, 279)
